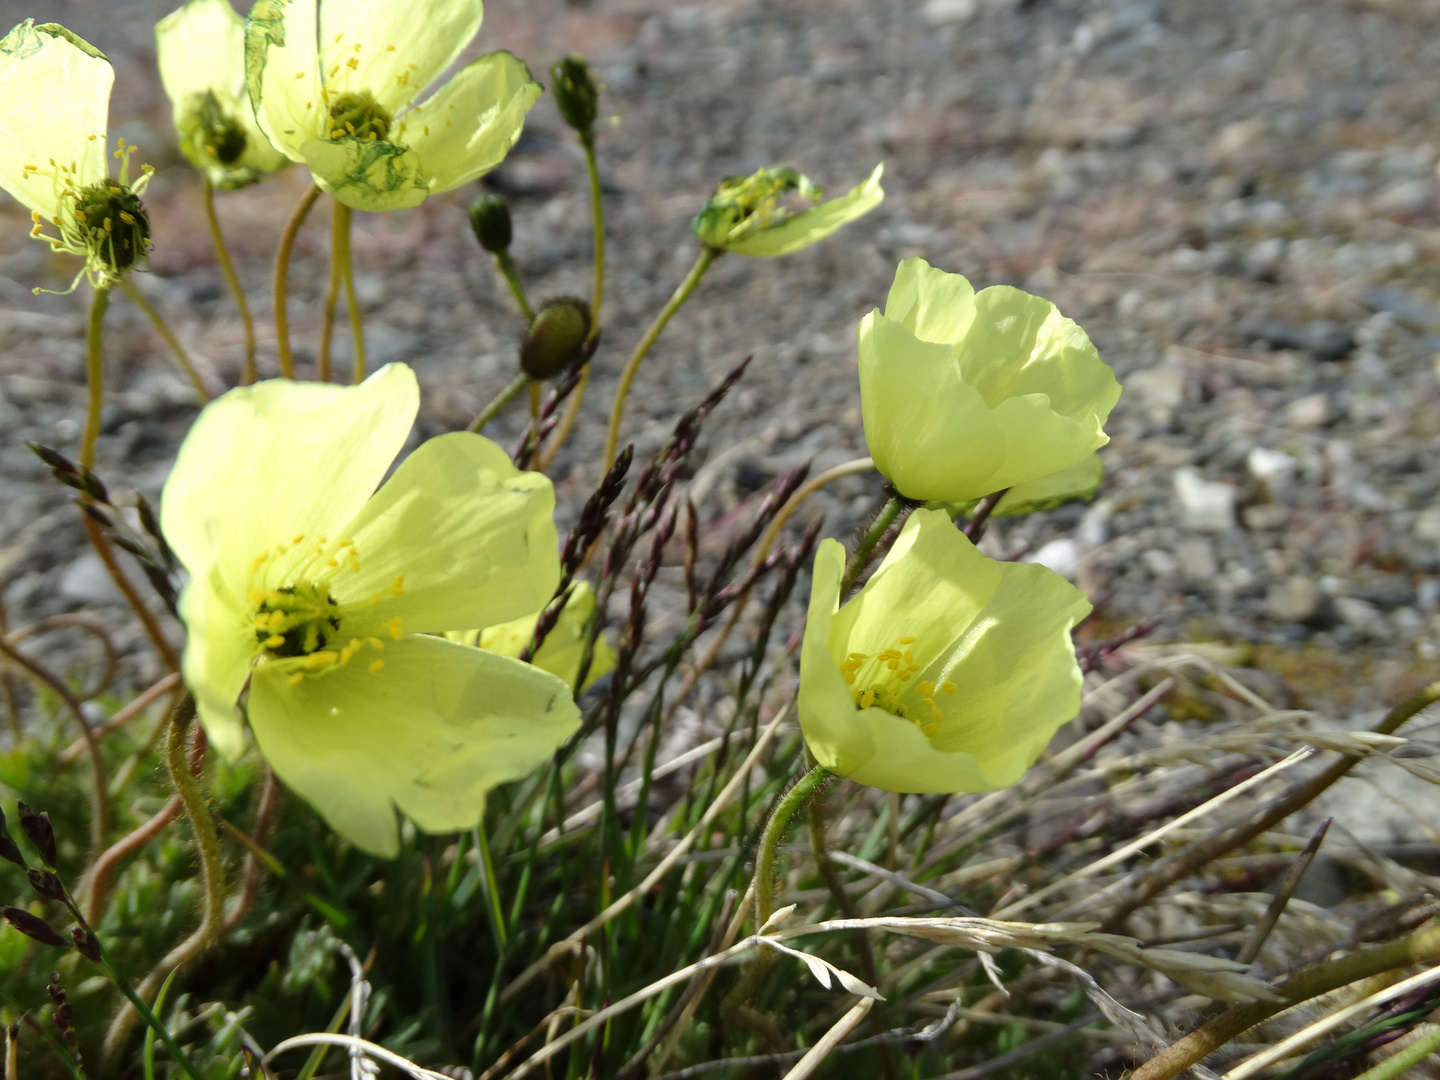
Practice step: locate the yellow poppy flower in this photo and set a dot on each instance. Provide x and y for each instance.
(200, 50)
(561, 651)
(966, 393)
(56, 87)
(1033, 496)
(948, 671)
(323, 596)
(334, 84)
(749, 215)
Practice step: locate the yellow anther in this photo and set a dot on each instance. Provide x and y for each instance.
(298, 538)
(867, 699)
(376, 665)
(425, 128)
(374, 599)
(109, 225)
(321, 658)
(274, 641)
(375, 643)
(396, 628)
(859, 656)
(908, 640)
(889, 654)
(907, 674)
(357, 46)
(257, 596)
(932, 729)
(347, 543)
(299, 74)
(849, 678)
(334, 71)
(398, 588)
(127, 218)
(116, 190)
(353, 63)
(332, 562)
(893, 665)
(908, 658)
(949, 687)
(339, 36)
(297, 677)
(936, 713)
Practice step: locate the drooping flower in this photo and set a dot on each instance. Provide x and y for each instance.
(561, 652)
(947, 672)
(56, 89)
(967, 393)
(323, 596)
(334, 84)
(200, 50)
(758, 214)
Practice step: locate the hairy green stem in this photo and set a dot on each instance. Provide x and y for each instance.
(282, 280)
(498, 402)
(617, 410)
(1420, 947)
(861, 556)
(597, 224)
(182, 357)
(774, 832)
(506, 265)
(222, 256)
(94, 373)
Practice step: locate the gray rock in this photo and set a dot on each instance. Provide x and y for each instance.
(1196, 558)
(1309, 412)
(1297, 599)
(1204, 505)
(86, 581)
(1364, 618)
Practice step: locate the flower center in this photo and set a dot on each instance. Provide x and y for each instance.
(299, 622)
(357, 114)
(112, 223)
(883, 679)
(217, 132)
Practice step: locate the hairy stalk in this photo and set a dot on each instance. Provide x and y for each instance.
(1420, 947)
(93, 885)
(98, 793)
(94, 373)
(872, 536)
(282, 279)
(681, 294)
(352, 305)
(162, 328)
(597, 224)
(499, 401)
(1196, 856)
(828, 874)
(212, 872)
(505, 263)
(222, 256)
(338, 221)
(770, 839)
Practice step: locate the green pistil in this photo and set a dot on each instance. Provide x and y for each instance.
(219, 134)
(359, 115)
(309, 617)
(112, 224)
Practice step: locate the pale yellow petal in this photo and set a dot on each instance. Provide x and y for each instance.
(815, 224)
(282, 73)
(56, 90)
(200, 47)
(219, 647)
(266, 463)
(931, 304)
(366, 174)
(469, 538)
(471, 122)
(402, 48)
(827, 714)
(431, 732)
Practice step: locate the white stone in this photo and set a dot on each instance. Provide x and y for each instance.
(1160, 563)
(1294, 600)
(1266, 465)
(1204, 504)
(1160, 389)
(1310, 411)
(949, 12)
(1362, 617)
(1062, 556)
(1427, 526)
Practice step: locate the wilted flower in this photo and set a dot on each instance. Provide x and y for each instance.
(324, 597)
(759, 215)
(563, 647)
(948, 671)
(56, 89)
(200, 50)
(967, 393)
(334, 84)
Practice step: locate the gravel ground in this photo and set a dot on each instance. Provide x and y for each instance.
(1237, 200)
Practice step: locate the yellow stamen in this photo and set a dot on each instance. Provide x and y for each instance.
(867, 699)
(295, 678)
(395, 626)
(376, 665)
(321, 658)
(949, 687)
(908, 640)
(274, 641)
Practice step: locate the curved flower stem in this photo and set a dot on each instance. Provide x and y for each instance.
(352, 306)
(534, 399)
(1420, 947)
(770, 840)
(282, 279)
(95, 378)
(597, 222)
(506, 265)
(138, 299)
(338, 221)
(681, 294)
(222, 256)
(98, 876)
(94, 373)
(861, 556)
(499, 401)
(212, 872)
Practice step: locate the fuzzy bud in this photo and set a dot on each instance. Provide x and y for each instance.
(575, 94)
(37, 827)
(555, 337)
(490, 219)
(32, 926)
(46, 884)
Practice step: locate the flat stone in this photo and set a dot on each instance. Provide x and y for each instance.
(1364, 618)
(1204, 504)
(1196, 558)
(1296, 599)
(86, 581)
(1308, 412)
(1062, 556)
(1265, 516)
(1160, 563)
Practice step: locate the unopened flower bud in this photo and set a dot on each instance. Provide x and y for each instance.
(32, 926)
(555, 337)
(37, 827)
(575, 94)
(9, 850)
(46, 884)
(86, 944)
(490, 218)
